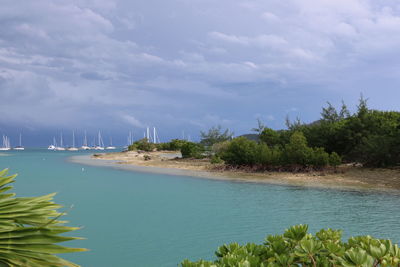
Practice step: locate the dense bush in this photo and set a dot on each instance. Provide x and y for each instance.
(240, 151)
(142, 144)
(370, 137)
(216, 160)
(192, 150)
(243, 152)
(296, 247)
(173, 145)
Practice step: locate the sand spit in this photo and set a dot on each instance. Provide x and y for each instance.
(347, 178)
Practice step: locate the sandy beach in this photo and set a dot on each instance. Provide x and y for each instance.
(347, 177)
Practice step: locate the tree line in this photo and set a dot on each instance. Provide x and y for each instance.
(367, 136)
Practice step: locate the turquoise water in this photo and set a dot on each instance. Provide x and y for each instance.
(143, 219)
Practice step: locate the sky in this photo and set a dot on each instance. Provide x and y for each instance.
(184, 66)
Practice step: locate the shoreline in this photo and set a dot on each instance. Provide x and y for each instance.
(164, 163)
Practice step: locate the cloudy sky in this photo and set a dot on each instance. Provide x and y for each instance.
(186, 65)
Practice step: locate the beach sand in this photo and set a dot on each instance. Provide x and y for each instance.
(347, 177)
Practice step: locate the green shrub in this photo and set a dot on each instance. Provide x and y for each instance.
(240, 151)
(334, 159)
(142, 144)
(296, 247)
(192, 150)
(319, 157)
(297, 151)
(270, 137)
(216, 160)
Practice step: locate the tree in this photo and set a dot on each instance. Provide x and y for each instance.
(329, 114)
(297, 151)
(240, 151)
(260, 127)
(362, 108)
(29, 229)
(215, 135)
(344, 112)
(296, 247)
(270, 137)
(192, 150)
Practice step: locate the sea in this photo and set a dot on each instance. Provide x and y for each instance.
(132, 218)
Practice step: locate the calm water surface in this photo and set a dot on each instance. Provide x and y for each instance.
(143, 219)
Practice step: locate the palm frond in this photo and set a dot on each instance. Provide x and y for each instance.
(30, 229)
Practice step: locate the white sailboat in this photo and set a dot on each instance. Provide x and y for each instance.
(6, 143)
(100, 144)
(53, 146)
(129, 140)
(60, 148)
(73, 148)
(20, 147)
(85, 144)
(111, 147)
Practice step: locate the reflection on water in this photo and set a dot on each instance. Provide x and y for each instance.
(144, 219)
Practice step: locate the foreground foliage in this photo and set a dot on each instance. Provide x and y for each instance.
(296, 247)
(30, 229)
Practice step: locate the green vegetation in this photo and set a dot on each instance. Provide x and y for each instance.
(145, 145)
(29, 229)
(214, 136)
(192, 150)
(142, 144)
(295, 155)
(369, 137)
(173, 145)
(296, 247)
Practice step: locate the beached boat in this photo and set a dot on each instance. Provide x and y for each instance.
(6, 143)
(20, 147)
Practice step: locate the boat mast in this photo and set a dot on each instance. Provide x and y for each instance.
(85, 140)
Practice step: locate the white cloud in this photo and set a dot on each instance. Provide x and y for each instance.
(131, 120)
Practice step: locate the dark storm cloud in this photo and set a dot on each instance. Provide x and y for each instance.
(191, 64)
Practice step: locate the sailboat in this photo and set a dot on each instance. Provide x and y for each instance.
(111, 145)
(6, 143)
(73, 148)
(20, 147)
(60, 148)
(85, 144)
(53, 146)
(129, 140)
(100, 144)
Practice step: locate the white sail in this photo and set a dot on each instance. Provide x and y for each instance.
(100, 144)
(73, 148)
(6, 143)
(20, 147)
(85, 143)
